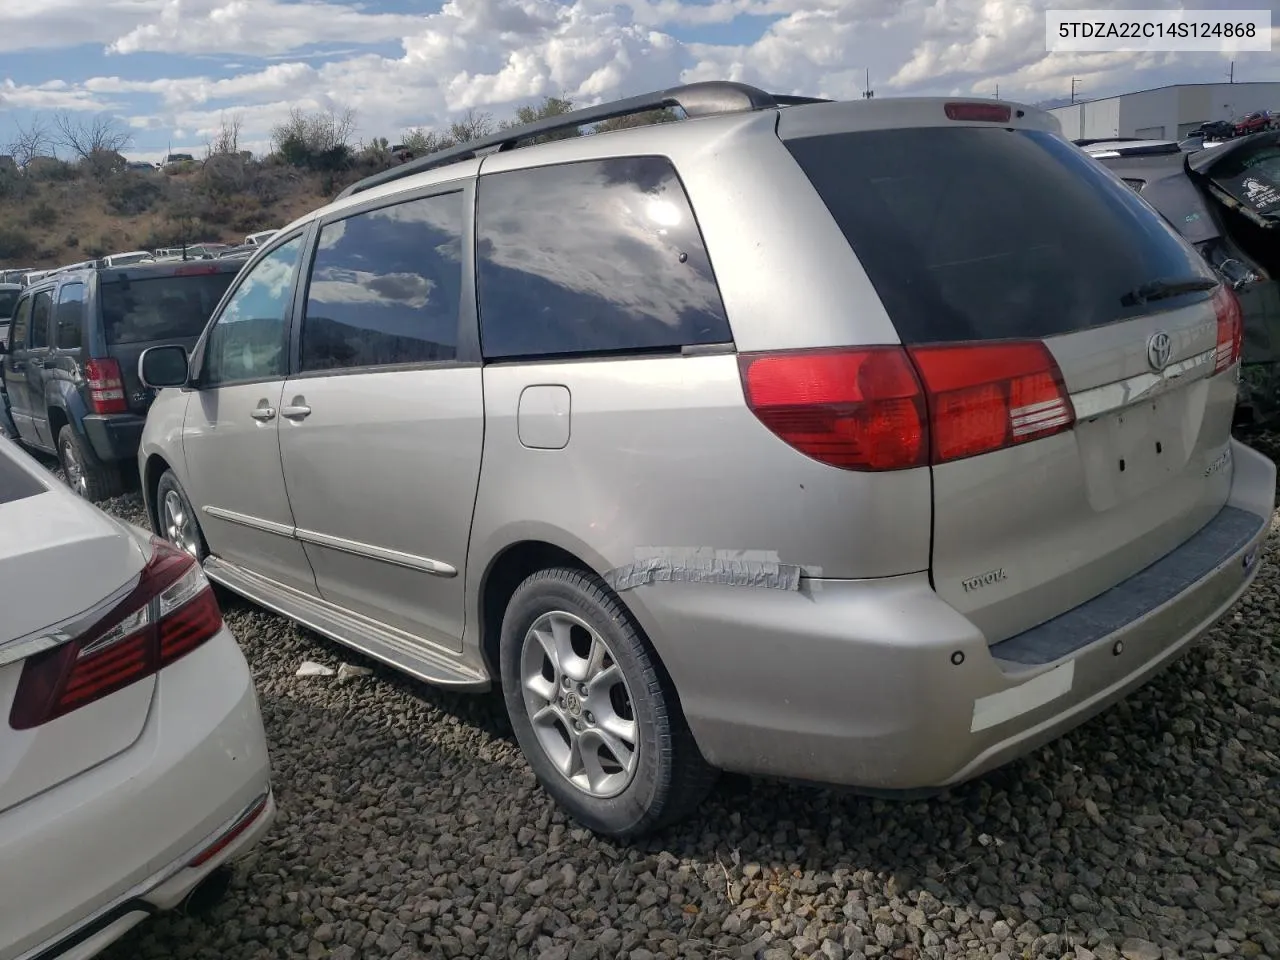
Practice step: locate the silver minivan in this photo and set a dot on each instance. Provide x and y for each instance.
(869, 443)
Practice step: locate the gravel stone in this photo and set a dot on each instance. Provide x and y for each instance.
(410, 827)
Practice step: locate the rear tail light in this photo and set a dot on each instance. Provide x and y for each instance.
(890, 408)
(983, 112)
(984, 397)
(106, 386)
(854, 409)
(170, 612)
(1230, 329)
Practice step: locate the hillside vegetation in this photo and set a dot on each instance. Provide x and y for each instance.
(55, 211)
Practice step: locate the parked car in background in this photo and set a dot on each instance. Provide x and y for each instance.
(124, 259)
(8, 302)
(133, 761)
(1216, 130)
(1226, 202)
(1255, 122)
(984, 390)
(14, 274)
(71, 370)
(257, 239)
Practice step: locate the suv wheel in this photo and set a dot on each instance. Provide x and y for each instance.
(596, 717)
(177, 519)
(86, 474)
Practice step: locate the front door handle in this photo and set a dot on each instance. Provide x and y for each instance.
(298, 410)
(263, 411)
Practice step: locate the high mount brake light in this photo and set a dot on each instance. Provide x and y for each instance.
(983, 112)
(894, 408)
(170, 612)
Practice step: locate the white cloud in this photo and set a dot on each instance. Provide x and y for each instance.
(493, 54)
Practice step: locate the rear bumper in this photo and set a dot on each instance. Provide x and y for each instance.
(879, 684)
(114, 437)
(86, 860)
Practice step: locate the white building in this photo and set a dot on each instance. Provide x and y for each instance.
(1165, 113)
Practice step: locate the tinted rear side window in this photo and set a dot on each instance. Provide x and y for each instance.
(161, 308)
(983, 233)
(68, 316)
(599, 256)
(8, 300)
(386, 287)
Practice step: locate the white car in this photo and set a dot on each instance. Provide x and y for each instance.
(133, 762)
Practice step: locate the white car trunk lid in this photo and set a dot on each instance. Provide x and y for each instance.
(60, 559)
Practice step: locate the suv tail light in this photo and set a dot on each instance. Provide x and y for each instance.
(106, 386)
(170, 612)
(893, 408)
(1230, 328)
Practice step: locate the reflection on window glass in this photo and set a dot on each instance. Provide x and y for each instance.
(248, 340)
(68, 316)
(385, 287)
(40, 314)
(591, 257)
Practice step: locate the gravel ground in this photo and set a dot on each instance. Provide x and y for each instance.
(410, 827)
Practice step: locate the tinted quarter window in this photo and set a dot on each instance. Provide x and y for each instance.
(160, 308)
(247, 341)
(69, 316)
(972, 233)
(41, 312)
(385, 287)
(592, 257)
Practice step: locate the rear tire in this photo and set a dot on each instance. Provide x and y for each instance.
(88, 476)
(592, 709)
(176, 520)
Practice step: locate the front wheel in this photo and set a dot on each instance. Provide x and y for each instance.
(593, 712)
(176, 519)
(88, 476)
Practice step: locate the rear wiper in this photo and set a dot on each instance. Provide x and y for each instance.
(1162, 289)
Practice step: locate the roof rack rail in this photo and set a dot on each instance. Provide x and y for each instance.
(702, 99)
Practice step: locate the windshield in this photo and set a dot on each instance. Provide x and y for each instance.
(982, 233)
(163, 308)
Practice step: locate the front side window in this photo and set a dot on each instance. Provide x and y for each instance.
(69, 316)
(385, 287)
(247, 341)
(21, 323)
(41, 311)
(593, 257)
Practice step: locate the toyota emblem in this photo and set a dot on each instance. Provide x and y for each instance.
(1159, 349)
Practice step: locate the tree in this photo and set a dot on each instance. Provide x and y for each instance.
(33, 140)
(665, 115)
(472, 126)
(317, 141)
(550, 107)
(226, 139)
(89, 138)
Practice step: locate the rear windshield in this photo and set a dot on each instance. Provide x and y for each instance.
(8, 300)
(977, 233)
(164, 308)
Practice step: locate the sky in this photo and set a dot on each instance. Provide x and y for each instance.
(171, 71)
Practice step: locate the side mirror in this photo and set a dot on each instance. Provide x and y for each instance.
(163, 367)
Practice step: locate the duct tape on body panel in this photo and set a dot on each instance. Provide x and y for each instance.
(737, 568)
